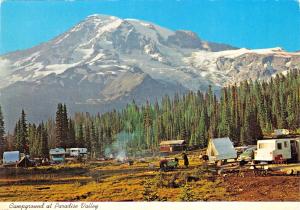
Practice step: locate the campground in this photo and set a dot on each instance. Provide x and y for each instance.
(113, 180)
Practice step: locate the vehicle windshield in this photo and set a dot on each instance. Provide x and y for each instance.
(57, 156)
(248, 151)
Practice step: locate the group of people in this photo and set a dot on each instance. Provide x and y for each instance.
(167, 164)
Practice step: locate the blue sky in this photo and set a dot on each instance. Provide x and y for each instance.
(242, 23)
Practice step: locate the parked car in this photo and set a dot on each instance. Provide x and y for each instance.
(248, 154)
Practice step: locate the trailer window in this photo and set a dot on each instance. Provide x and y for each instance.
(285, 144)
(264, 146)
(279, 146)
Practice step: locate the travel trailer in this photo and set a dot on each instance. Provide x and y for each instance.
(277, 150)
(57, 154)
(221, 149)
(76, 152)
(11, 158)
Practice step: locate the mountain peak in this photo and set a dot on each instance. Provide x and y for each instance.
(108, 61)
(101, 17)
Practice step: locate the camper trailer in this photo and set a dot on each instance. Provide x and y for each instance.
(57, 155)
(11, 158)
(76, 152)
(277, 150)
(221, 149)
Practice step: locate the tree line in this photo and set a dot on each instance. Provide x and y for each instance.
(243, 112)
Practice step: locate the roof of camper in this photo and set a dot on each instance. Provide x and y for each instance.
(223, 145)
(283, 139)
(172, 142)
(11, 152)
(57, 151)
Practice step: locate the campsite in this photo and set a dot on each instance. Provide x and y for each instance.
(147, 179)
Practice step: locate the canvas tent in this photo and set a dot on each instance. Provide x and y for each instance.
(221, 149)
(25, 162)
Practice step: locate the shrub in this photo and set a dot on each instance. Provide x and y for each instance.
(187, 193)
(158, 180)
(149, 193)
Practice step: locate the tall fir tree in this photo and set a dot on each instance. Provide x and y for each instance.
(44, 142)
(71, 134)
(80, 138)
(65, 126)
(61, 126)
(21, 134)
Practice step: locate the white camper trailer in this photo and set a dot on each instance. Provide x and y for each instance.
(221, 149)
(57, 154)
(11, 158)
(273, 150)
(76, 152)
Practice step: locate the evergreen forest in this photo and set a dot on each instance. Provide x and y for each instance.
(244, 112)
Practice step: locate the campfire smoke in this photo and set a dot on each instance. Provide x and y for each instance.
(118, 149)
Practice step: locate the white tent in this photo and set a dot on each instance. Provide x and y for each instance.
(220, 149)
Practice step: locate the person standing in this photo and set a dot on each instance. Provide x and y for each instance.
(185, 160)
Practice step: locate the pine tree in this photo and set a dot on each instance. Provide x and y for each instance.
(87, 137)
(38, 139)
(62, 127)
(21, 134)
(65, 126)
(80, 138)
(148, 125)
(94, 141)
(71, 134)
(203, 135)
(59, 127)
(225, 124)
(44, 142)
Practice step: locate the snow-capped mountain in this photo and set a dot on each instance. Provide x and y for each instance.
(104, 62)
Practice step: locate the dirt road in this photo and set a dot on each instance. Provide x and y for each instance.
(263, 188)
